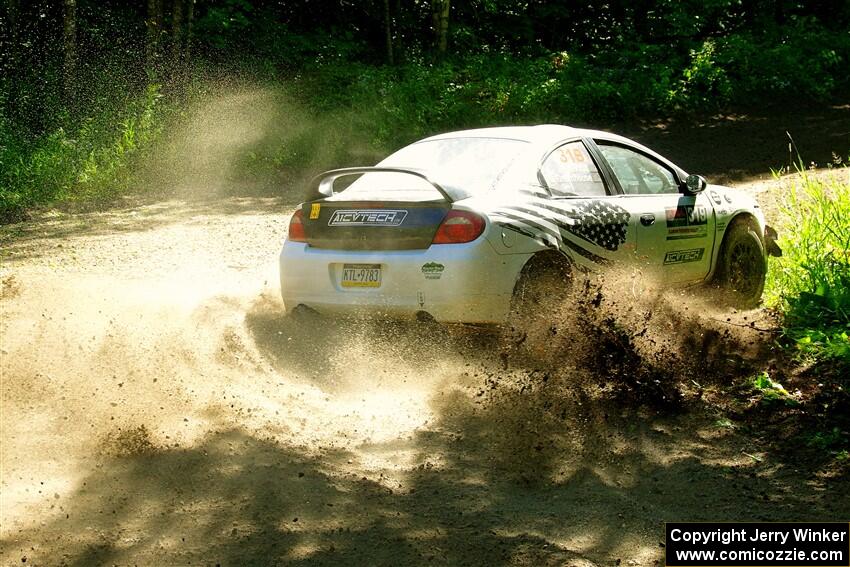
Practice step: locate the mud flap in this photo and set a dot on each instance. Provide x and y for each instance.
(770, 238)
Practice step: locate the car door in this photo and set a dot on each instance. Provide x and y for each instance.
(572, 207)
(674, 231)
(594, 227)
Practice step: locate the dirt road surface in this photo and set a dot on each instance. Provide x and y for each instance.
(158, 408)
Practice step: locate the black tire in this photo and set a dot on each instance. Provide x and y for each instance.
(540, 292)
(742, 266)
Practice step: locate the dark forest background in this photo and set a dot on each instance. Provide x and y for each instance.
(88, 85)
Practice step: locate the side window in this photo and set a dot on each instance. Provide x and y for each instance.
(637, 173)
(569, 171)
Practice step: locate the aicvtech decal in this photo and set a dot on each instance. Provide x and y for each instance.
(683, 256)
(367, 217)
(568, 226)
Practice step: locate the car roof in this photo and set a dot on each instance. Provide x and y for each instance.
(548, 134)
(539, 134)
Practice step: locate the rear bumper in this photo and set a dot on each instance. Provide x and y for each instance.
(474, 284)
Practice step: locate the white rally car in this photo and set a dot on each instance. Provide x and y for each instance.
(461, 227)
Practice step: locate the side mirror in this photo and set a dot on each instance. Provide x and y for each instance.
(695, 184)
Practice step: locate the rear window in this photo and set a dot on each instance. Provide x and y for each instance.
(463, 166)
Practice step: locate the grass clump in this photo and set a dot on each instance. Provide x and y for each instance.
(771, 390)
(828, 440)
(810, 283)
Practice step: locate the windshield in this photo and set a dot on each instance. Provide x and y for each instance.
(463, 166)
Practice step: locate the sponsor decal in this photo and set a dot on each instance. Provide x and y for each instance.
(367, 217)
(683, 256)
(688, 221)
(315, 209)
(433, 270)
(727, 197)
(715, 196)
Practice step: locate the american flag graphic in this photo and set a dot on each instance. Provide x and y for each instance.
(602, 223)
(564, 224)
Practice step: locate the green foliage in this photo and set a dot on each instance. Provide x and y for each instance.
(225, 23)
(772, 391)
(88, 162)
(704, 82)
(810, 283)
(828, 440)
(635, 79)
(804, 58)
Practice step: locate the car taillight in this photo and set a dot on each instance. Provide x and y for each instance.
(296, 227)
(459, 227)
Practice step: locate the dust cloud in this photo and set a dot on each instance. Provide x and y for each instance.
(250, 140)
(158, 407)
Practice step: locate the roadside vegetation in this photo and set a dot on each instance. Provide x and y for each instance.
(809, 290)
(80, 159)
(404, 102)
(810, 283)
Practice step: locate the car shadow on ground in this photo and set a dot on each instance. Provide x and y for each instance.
(525, 478)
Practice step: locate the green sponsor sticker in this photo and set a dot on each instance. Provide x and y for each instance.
(433, 270)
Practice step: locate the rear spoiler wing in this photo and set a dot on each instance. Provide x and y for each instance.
(323, 184)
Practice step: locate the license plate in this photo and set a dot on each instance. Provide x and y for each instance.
(361, 275)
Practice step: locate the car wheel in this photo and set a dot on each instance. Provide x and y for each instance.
(541, 290)
(742, 266)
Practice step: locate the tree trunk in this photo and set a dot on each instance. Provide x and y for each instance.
(69, 43)
(779, 12)
(177, 33)
(190, 16)
(388, 27)
(154, 32)
(12, 36)
(641, 22)
(444, 29)
(440, 14)
(13, 10)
